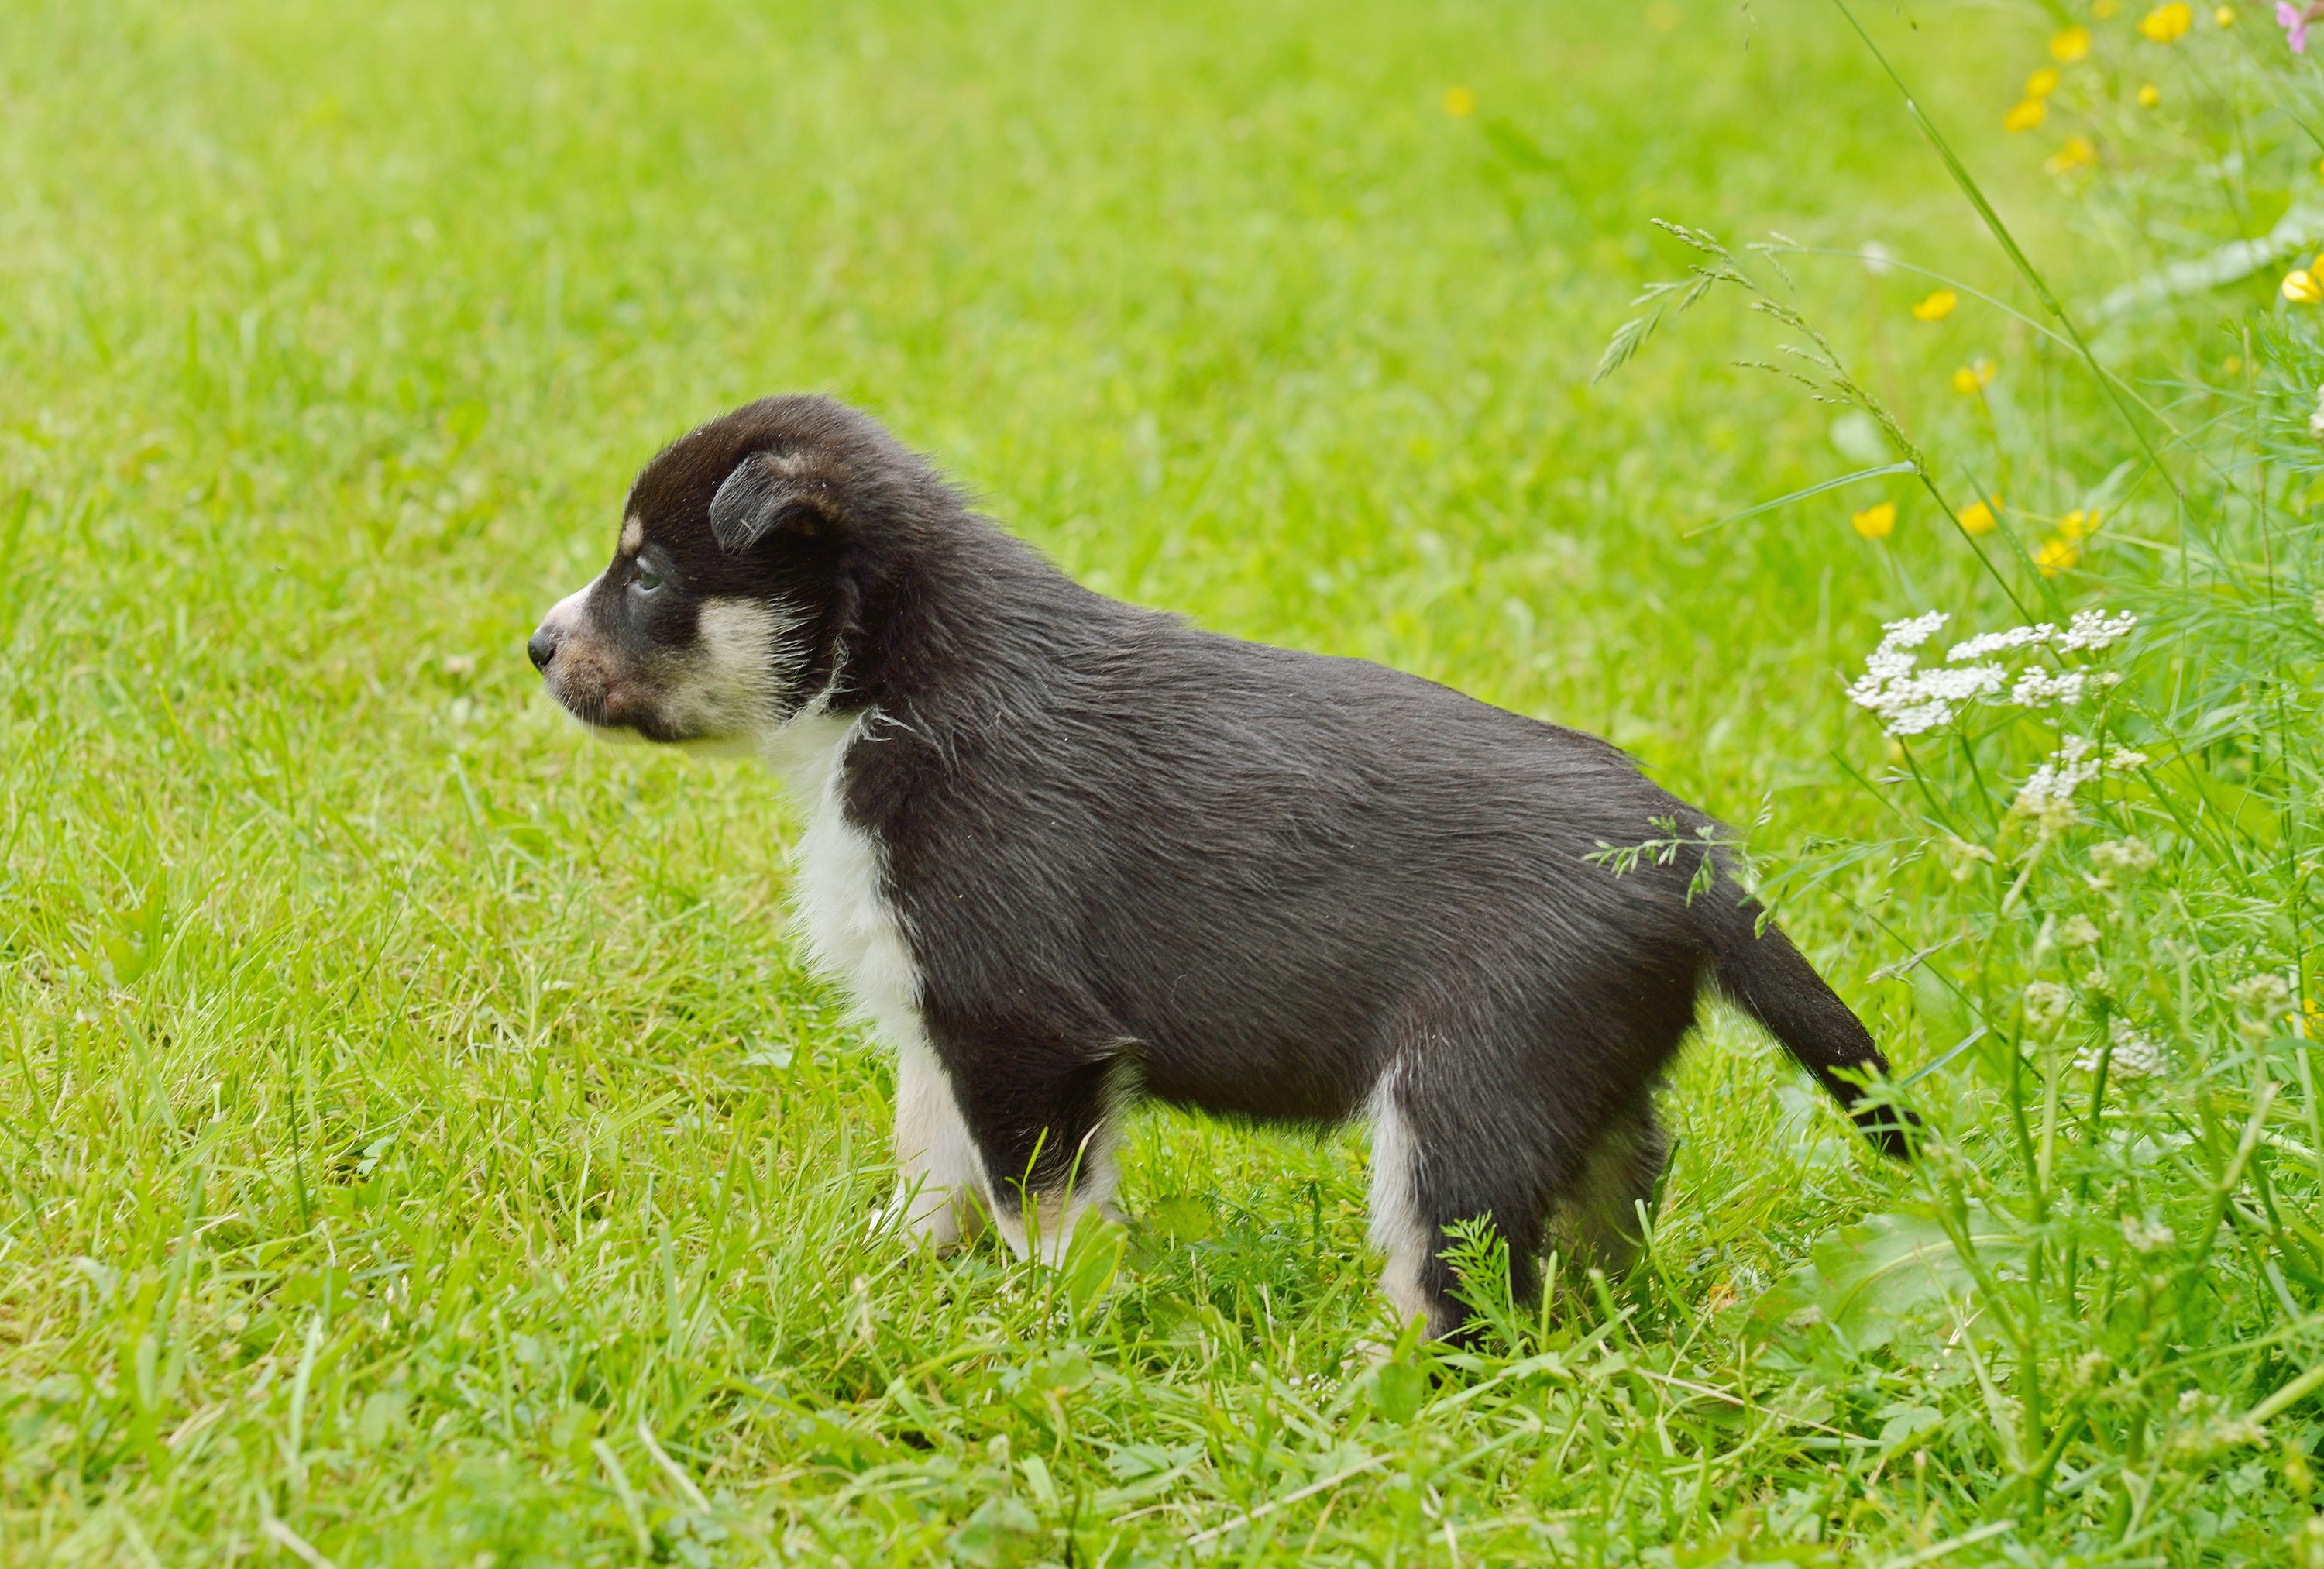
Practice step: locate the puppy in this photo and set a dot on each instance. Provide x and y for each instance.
(1071, 854)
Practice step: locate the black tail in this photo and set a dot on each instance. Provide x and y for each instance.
(1764, 975)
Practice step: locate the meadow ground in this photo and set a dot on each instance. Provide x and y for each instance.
(420, 1140)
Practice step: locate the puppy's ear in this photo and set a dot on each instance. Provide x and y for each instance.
(767, 494)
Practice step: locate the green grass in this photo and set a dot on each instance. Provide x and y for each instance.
(421, 1143)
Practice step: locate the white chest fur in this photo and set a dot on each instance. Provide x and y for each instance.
(839, 880)
(839, 889)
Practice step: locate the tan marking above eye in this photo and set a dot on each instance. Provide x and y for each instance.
(633, 535)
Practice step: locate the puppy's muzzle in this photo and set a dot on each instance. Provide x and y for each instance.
(555, 628)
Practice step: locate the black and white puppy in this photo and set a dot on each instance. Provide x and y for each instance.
(1070, 854)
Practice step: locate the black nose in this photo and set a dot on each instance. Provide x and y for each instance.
(542, 648)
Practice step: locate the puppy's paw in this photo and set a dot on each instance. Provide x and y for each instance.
(936, 1220)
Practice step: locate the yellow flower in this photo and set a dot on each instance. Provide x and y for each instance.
(1970, 377)
(1459, 102)
(1876, 522)
(1977, 518)
(2078, 524)
(2042, 82)
(2056, 555)
(2077, 154)
(1936, 306)
(2102, 9)
(2026, 115)
(2070, 45)
(2149, 95)
(2301, 287)
(2225, 16)
(2168, 24)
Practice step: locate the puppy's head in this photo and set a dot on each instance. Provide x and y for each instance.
(725, 608)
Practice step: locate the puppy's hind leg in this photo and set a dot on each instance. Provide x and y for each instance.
(1601, 1210)
(1396, 1225)
(1442, 1154)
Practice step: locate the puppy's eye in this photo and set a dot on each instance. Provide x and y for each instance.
(645, 579)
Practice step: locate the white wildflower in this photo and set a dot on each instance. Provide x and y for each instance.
(2122, 857)
(2265, 994)
(2037, 688)
(1912, 701)
(2047, 1003)
(2237, 1432)
(1994, 642)
(1915, 630)
(2135, 1054)
(2153, 1237)
(2095, 629)
(2047, 796)
(1891, 661)
(2220, 1432)
(2078, 932)
(1928, 699)
(1962, 858)
(2048, 793)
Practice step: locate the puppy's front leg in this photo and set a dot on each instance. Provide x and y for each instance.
(1034, 1220)
(940, 1175)
(1044, 1115)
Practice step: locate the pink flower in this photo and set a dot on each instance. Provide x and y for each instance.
(2294, 20)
